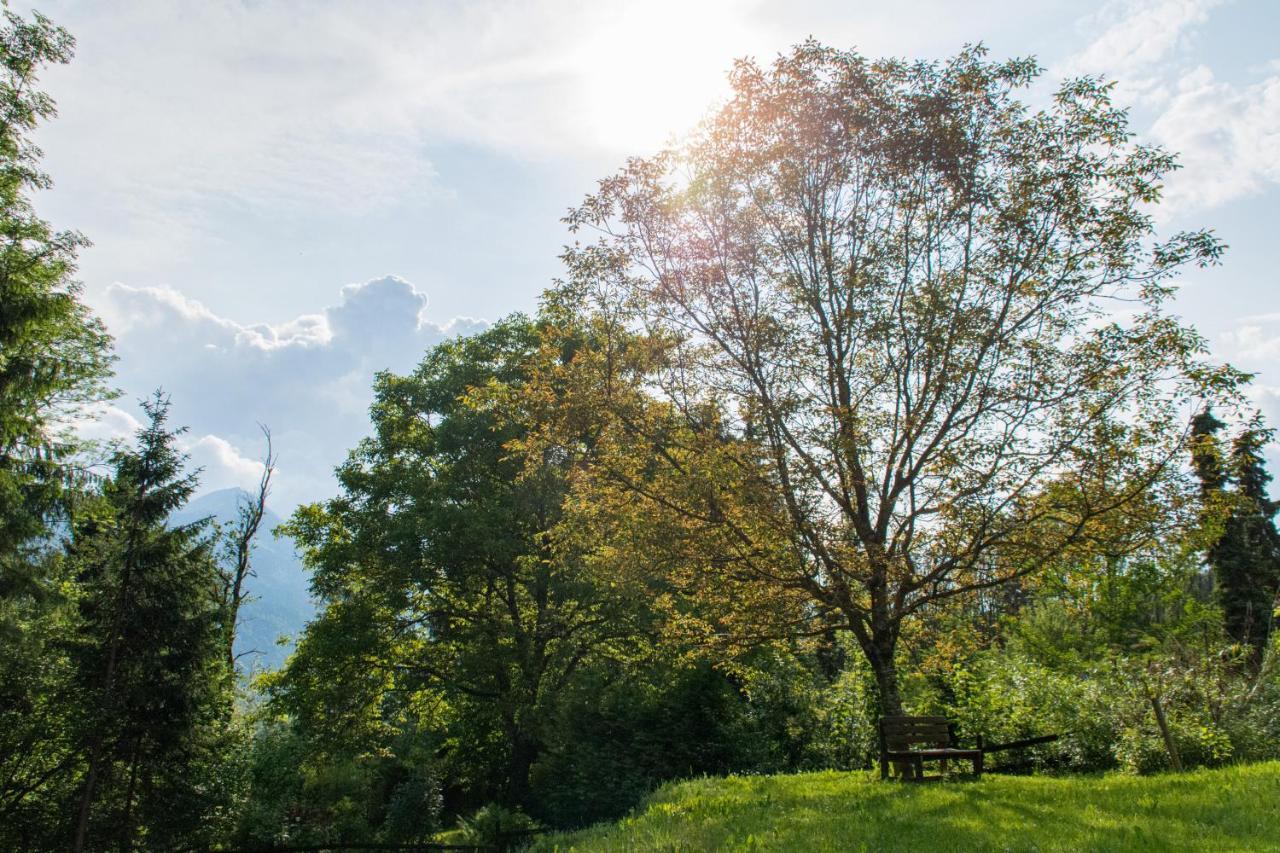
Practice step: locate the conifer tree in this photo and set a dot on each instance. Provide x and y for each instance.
(1245, 551)
(148, 653)
(1250, 548)
(54, 354)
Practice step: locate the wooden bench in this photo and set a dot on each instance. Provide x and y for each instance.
(908, 742)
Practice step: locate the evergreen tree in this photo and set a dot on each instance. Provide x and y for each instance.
(1206, 452)
(54, 354)
(54, 357)
(1251, 546)
(148, 654)
(1245, 550)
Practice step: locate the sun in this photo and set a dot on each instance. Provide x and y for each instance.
(653, 70)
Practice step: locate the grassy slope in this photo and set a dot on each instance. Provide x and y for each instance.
(1235, 808)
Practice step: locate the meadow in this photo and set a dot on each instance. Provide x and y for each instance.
(1232, 808)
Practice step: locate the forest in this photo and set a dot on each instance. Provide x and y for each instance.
(862, 399)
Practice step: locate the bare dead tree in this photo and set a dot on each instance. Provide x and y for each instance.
(239, 547)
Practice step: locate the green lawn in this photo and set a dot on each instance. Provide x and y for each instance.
(1236, 808)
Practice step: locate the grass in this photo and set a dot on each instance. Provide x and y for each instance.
(1233, 808)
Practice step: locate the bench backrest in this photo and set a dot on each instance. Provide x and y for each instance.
(902, 733)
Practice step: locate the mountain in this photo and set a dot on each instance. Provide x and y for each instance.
(279, 601)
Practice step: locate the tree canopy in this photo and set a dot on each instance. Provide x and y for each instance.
(936, 313)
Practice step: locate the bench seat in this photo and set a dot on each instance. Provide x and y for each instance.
(909, 742)
(934, 754)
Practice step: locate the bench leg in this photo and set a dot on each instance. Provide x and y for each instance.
(977, 766)
(884, 767)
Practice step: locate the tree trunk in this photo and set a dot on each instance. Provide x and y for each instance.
(886, 674)
(126, 822)
(96, 738)
(1170, 745)
(879, 648)
(524, 751)
(86, 796)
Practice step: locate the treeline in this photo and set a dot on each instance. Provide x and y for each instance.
(834, 415)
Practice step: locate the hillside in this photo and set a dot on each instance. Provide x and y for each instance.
(1234, 808)
(279, 602)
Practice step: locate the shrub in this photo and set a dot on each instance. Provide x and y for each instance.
(495, 826)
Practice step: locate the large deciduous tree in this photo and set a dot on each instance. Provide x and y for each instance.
(927, 316)
(437, 569)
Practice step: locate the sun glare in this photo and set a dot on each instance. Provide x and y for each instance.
(655, 70)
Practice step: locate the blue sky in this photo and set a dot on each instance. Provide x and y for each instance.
(287, 196)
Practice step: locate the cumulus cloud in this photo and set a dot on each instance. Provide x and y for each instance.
(222, 464)
(1252, 343)
(1134, 37)
(1227, 137)
(308, 379)
(1226, 134)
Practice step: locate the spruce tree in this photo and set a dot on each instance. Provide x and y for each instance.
(1206, 452)
(54, 354)
(1252, 546)
(148, 654)
(1244, 554)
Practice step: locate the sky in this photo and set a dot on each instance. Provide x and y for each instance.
(285, 197)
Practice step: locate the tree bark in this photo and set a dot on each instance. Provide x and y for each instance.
(524, 751)
(1175, 760)
(880, 656)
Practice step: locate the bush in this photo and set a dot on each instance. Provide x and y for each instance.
(495, 826)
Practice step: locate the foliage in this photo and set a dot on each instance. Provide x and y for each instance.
(834, 418)
(888, 288)
(1206, 810)
(147, 655)
(54, 354)
(439, 576)
(54, 358)
(302, 790)
(617, 736)
(1244, 545)
(495, 827)
(1086, 659)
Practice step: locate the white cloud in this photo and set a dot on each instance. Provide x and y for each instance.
(1252, 343)
(172, 106)
(1135, 38)
(223, 465)
(106, 423)
(1226, 134)
(1227, 138)
(309, 379)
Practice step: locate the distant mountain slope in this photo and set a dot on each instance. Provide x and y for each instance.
(279, 600)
